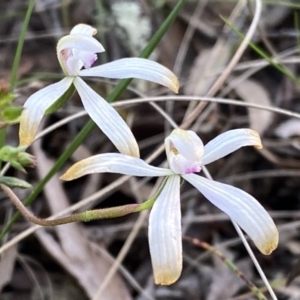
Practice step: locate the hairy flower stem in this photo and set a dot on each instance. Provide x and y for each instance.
(90, 215)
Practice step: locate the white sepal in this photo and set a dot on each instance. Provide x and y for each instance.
(107, 119)
(135, 68)
(84, 29)
(165, 240)
(114, 163)
(80, 42)
(229, 142)
(35, 107)
(241, 207)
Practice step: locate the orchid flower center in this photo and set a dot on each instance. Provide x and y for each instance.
(74, 60)
(180, 164)
(78, 49)
(184, 151)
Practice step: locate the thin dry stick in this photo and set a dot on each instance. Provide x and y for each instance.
(210, 99)
(187, 38)
(229, 263)
(220, 81)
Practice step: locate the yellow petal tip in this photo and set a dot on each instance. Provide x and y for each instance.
(67, 176)
(175, 89)
(270, 245)
(255, 134)
(165, 279)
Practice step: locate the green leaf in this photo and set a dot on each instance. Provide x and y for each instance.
(12, 113)
(61, 101)
(6, 98)
(14, 182)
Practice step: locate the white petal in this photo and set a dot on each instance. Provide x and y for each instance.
(107, 119)
(113, 163)
(35, 107)
(87, 58)
(229, 142)
(165, 240)
(84, 29)
(135, 68)
(246, 211)
(184, 151)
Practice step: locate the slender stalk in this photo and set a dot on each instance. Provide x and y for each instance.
(90, 215)
(17, 58)
(259, 295)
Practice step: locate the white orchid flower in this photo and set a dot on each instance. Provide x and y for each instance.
(78, 50)
(186, 155)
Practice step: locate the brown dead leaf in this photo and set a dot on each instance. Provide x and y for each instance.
(253, 92)
(72, 250)
(288, 129)
(7, 264)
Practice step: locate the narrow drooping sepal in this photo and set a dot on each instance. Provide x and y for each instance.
(107, 119)
(229, 142)
(114, 163)
(242, 208)
(165, 234)
(135, 68)
(35, 107)
(184, 151)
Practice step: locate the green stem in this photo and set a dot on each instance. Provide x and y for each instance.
(118, 90)
(90, 215)
(17, 58)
